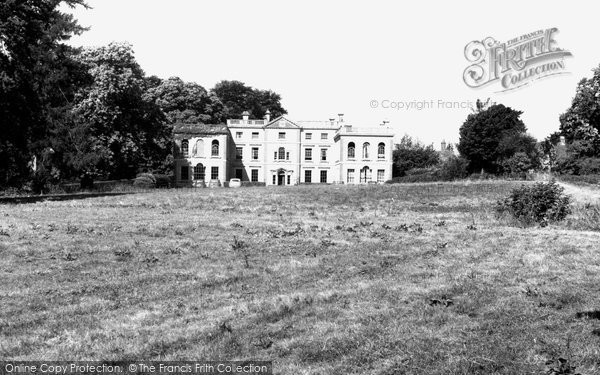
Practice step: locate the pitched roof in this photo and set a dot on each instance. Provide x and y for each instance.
(200, 129)
(275, 123)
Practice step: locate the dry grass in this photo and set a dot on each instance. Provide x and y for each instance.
(395, 279)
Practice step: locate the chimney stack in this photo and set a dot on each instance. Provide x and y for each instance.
(341, 116)
(268, 116)
(332, 121)
(245, 115)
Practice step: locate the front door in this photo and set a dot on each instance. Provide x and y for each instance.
(281, 179)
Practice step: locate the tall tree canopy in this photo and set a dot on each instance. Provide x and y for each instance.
(493, 135)
(117, 130)
(184, 102)
(38, 78)
(236, 98)
(580, 124)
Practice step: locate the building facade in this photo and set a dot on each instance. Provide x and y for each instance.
(282, 152)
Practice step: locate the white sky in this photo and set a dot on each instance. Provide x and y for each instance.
(328, 57)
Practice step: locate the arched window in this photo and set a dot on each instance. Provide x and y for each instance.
(199, 172)
(381, 151)
(366, 150)
(351, 152)
(215, 148)
(185, 145)
(281, 153)
(365, 175)
(199, 149)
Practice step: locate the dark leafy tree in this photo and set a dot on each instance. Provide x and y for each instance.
(410, 154)
(236, 98)
(491, 136)
(184, 102)
(581, 122)
(38, 78)
(117, 131)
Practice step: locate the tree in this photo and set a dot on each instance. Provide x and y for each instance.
(184, 102)
(410, 154)
(491, 136)
(581, 122)
(116, 131)
(38, 78)
(236, 98)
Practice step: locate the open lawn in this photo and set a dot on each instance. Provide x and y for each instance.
(393, 279)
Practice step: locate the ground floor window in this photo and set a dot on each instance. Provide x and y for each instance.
(185, 172)
(308, 177)
(365, 175)
(199, 172)
(239, 173)
(254, 173)
(214, 173)
(350, 176)
(289, 180)
(274, 179)
(323, 177)
(380, 175)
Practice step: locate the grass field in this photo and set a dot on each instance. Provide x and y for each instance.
(393, 279)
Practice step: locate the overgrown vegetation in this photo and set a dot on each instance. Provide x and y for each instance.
(541, 203)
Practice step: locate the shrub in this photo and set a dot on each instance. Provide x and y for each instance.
(455, 168)
(162, 180)
(540, 203)
(145, 180)
(250, 183)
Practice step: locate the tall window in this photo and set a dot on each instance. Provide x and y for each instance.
(199, 149)
(185, 146)
(308, 176)
(323, 154)
(199, 172)
(185, 172)
(365, 175)
(214, 173)
(254, 173)
(380, 175)
(254, 153)
(366, 150)
(381, 151)
(350, 176)
(215, 148)
(281, 153)
(323, 177)
(308, 154)
(308, 136)
(239, 153)
(351, 150)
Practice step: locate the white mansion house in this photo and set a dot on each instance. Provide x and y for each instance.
(283, 152)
